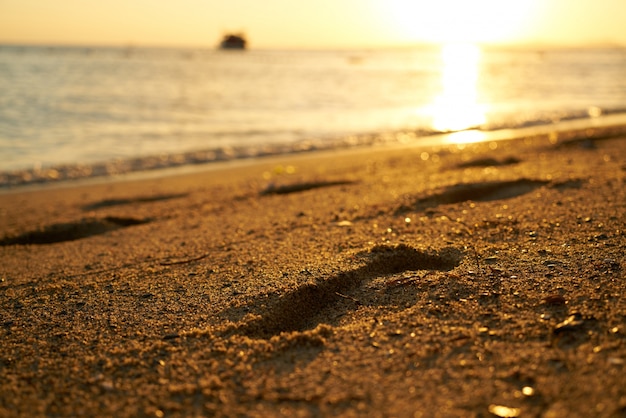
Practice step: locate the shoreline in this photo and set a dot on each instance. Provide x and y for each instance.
(196, 161)
(477, 280)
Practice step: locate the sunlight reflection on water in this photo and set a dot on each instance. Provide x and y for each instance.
(469, 136)
(456, 107)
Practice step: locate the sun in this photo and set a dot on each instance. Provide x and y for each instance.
(447, 21)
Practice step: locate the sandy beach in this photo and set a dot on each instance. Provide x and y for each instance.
(483, 280)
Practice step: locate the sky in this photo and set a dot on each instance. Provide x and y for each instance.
(313, 24)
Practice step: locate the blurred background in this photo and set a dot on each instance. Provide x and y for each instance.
(90, 87)
(320, 24)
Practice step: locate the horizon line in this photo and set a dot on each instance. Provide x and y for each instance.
(405, 45)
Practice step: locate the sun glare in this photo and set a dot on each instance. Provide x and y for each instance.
(446, 21)
(457, 108)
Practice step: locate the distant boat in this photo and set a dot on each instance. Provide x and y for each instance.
(233, 41)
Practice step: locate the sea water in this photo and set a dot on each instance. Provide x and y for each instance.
(95, 110)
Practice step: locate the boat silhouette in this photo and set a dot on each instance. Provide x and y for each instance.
(233, 41)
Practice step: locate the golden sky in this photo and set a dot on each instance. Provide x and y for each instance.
(313, 24)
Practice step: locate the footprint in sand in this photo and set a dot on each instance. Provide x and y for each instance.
(118, 202)
(72, 231)
(476, 192)
(488, 162)
(301, 187)
(313, 303)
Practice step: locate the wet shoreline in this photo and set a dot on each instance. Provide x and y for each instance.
(152, 166)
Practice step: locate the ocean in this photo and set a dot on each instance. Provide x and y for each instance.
(72, 112)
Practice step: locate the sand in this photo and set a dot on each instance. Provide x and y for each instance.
(477, 281)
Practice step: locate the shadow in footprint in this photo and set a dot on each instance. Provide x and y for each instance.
(488, 162)
(72, 231)
(118, 202)
(477, 192)
(568, 184)
(301, 187)
(310, 304)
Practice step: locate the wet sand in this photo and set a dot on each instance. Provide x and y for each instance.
(475, 281)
